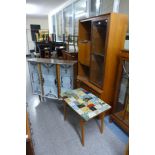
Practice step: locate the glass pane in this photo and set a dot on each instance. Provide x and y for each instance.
(34, 77)
(68, 17)
(49, 80)
(95, 7)
(59, 25)
(99, 36)
(97, 66)
(124, 6)
(106, 6)
(53, 23)
(80, 12)
(66, 77)
(122, 106)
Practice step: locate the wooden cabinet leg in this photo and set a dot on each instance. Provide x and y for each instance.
(65, 108)
(101, 116)
(82, 122)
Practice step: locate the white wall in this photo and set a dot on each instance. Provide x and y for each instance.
(42, 21)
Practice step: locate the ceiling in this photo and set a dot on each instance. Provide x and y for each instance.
(41, 8)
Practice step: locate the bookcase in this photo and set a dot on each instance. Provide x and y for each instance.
(100, 40)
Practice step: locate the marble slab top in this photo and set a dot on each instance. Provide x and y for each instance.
(52, 61)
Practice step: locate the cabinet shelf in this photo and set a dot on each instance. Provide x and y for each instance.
(98, 54)
(84, 41)
(86, 81)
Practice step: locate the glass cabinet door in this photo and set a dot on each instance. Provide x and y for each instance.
(66, 77)
(99, 35)
(122, 102)
(96, 70)
(34, 77)
(99, 30)
(49, 80)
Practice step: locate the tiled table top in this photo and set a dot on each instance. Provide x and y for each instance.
(85, 103)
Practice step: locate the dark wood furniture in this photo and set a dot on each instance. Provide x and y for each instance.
(120, 110)
(29, 146)
(100, 40)
(70, 56)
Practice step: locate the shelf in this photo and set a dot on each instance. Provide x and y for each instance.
(85, 30)
(86, 81)
(84, 41)
(120, 116)
(98, 54)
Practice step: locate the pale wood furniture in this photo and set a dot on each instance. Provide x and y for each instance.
(86, 105)
(127, 150)
(120, 110)
(50, 77)
(29, 146)
(100, 40)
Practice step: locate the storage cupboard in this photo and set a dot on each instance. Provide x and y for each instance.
(50, 77)
(100, 40)
(120, 110)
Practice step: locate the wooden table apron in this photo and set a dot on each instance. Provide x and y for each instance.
(82, 122)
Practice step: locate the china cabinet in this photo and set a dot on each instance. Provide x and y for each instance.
(120, 111)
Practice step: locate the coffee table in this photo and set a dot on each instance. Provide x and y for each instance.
(86, 105)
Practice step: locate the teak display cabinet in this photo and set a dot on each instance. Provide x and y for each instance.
(100, 40)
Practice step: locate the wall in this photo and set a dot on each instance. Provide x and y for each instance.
(42, 21)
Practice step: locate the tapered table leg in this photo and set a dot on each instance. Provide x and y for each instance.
(65, 113)
(101, 117)
(82, 123)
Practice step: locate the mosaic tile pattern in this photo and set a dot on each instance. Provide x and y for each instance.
(50, 83)
(66, 77)
(48, 73)
(85, 103)
(34, 76)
